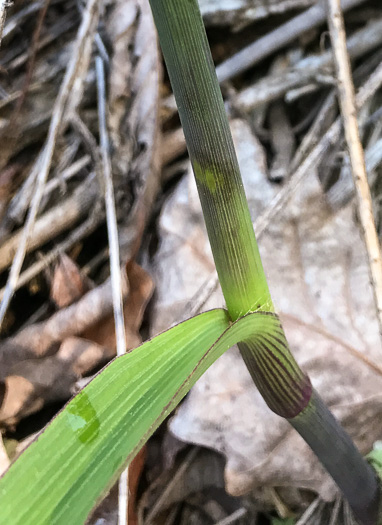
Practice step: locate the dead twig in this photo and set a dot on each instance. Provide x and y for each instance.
(325, 117)
(315, 507)
(15, 21)
(57, 30)
(315, 68)
(268, 44)
(28, 77)
(112, 229)
(277, 39)
(81, 58)
(343, 190)
(3, 5)
(51, 223)
(111, 217)
(232, 518)
(357, 158)
(159, 504)
(87, 227)
(281, 132)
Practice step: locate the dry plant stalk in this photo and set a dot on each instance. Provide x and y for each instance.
(357, 158)
(115, 272)
(86, 228)
(3, 6)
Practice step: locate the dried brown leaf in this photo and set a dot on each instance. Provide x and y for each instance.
(68, 283)
(40, 339)
(141, 287)
(34, 382)
(135, 473)
(34, 372)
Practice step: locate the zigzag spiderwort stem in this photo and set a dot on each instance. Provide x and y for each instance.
(285, 388)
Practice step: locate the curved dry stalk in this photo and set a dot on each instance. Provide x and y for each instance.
(347, 102)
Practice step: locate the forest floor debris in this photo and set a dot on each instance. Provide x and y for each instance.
(275, 64)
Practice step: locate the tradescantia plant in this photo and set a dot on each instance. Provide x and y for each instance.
(76, 459)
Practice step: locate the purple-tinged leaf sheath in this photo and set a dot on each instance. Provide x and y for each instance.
(281, 382)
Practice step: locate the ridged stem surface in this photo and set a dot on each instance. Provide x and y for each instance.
(213, 156)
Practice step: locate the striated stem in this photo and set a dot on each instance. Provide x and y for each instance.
(210, 146)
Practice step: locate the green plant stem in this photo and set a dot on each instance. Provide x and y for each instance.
(213, 156)
(285, 388)
(340, 457)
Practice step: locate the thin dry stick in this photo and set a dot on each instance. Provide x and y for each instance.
(310, 511)
(87, 227)
(159, 504)
(276, 39)
(318, 69)
(336, 511)
(271, 42)
(13, 123)
(115, 271)
(357, 158)
(232, 518)
(85, 33)
(3, 6)
(54, 221)
(372, 84)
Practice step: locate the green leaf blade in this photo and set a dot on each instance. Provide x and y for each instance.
(71, 465)
(80, 454)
